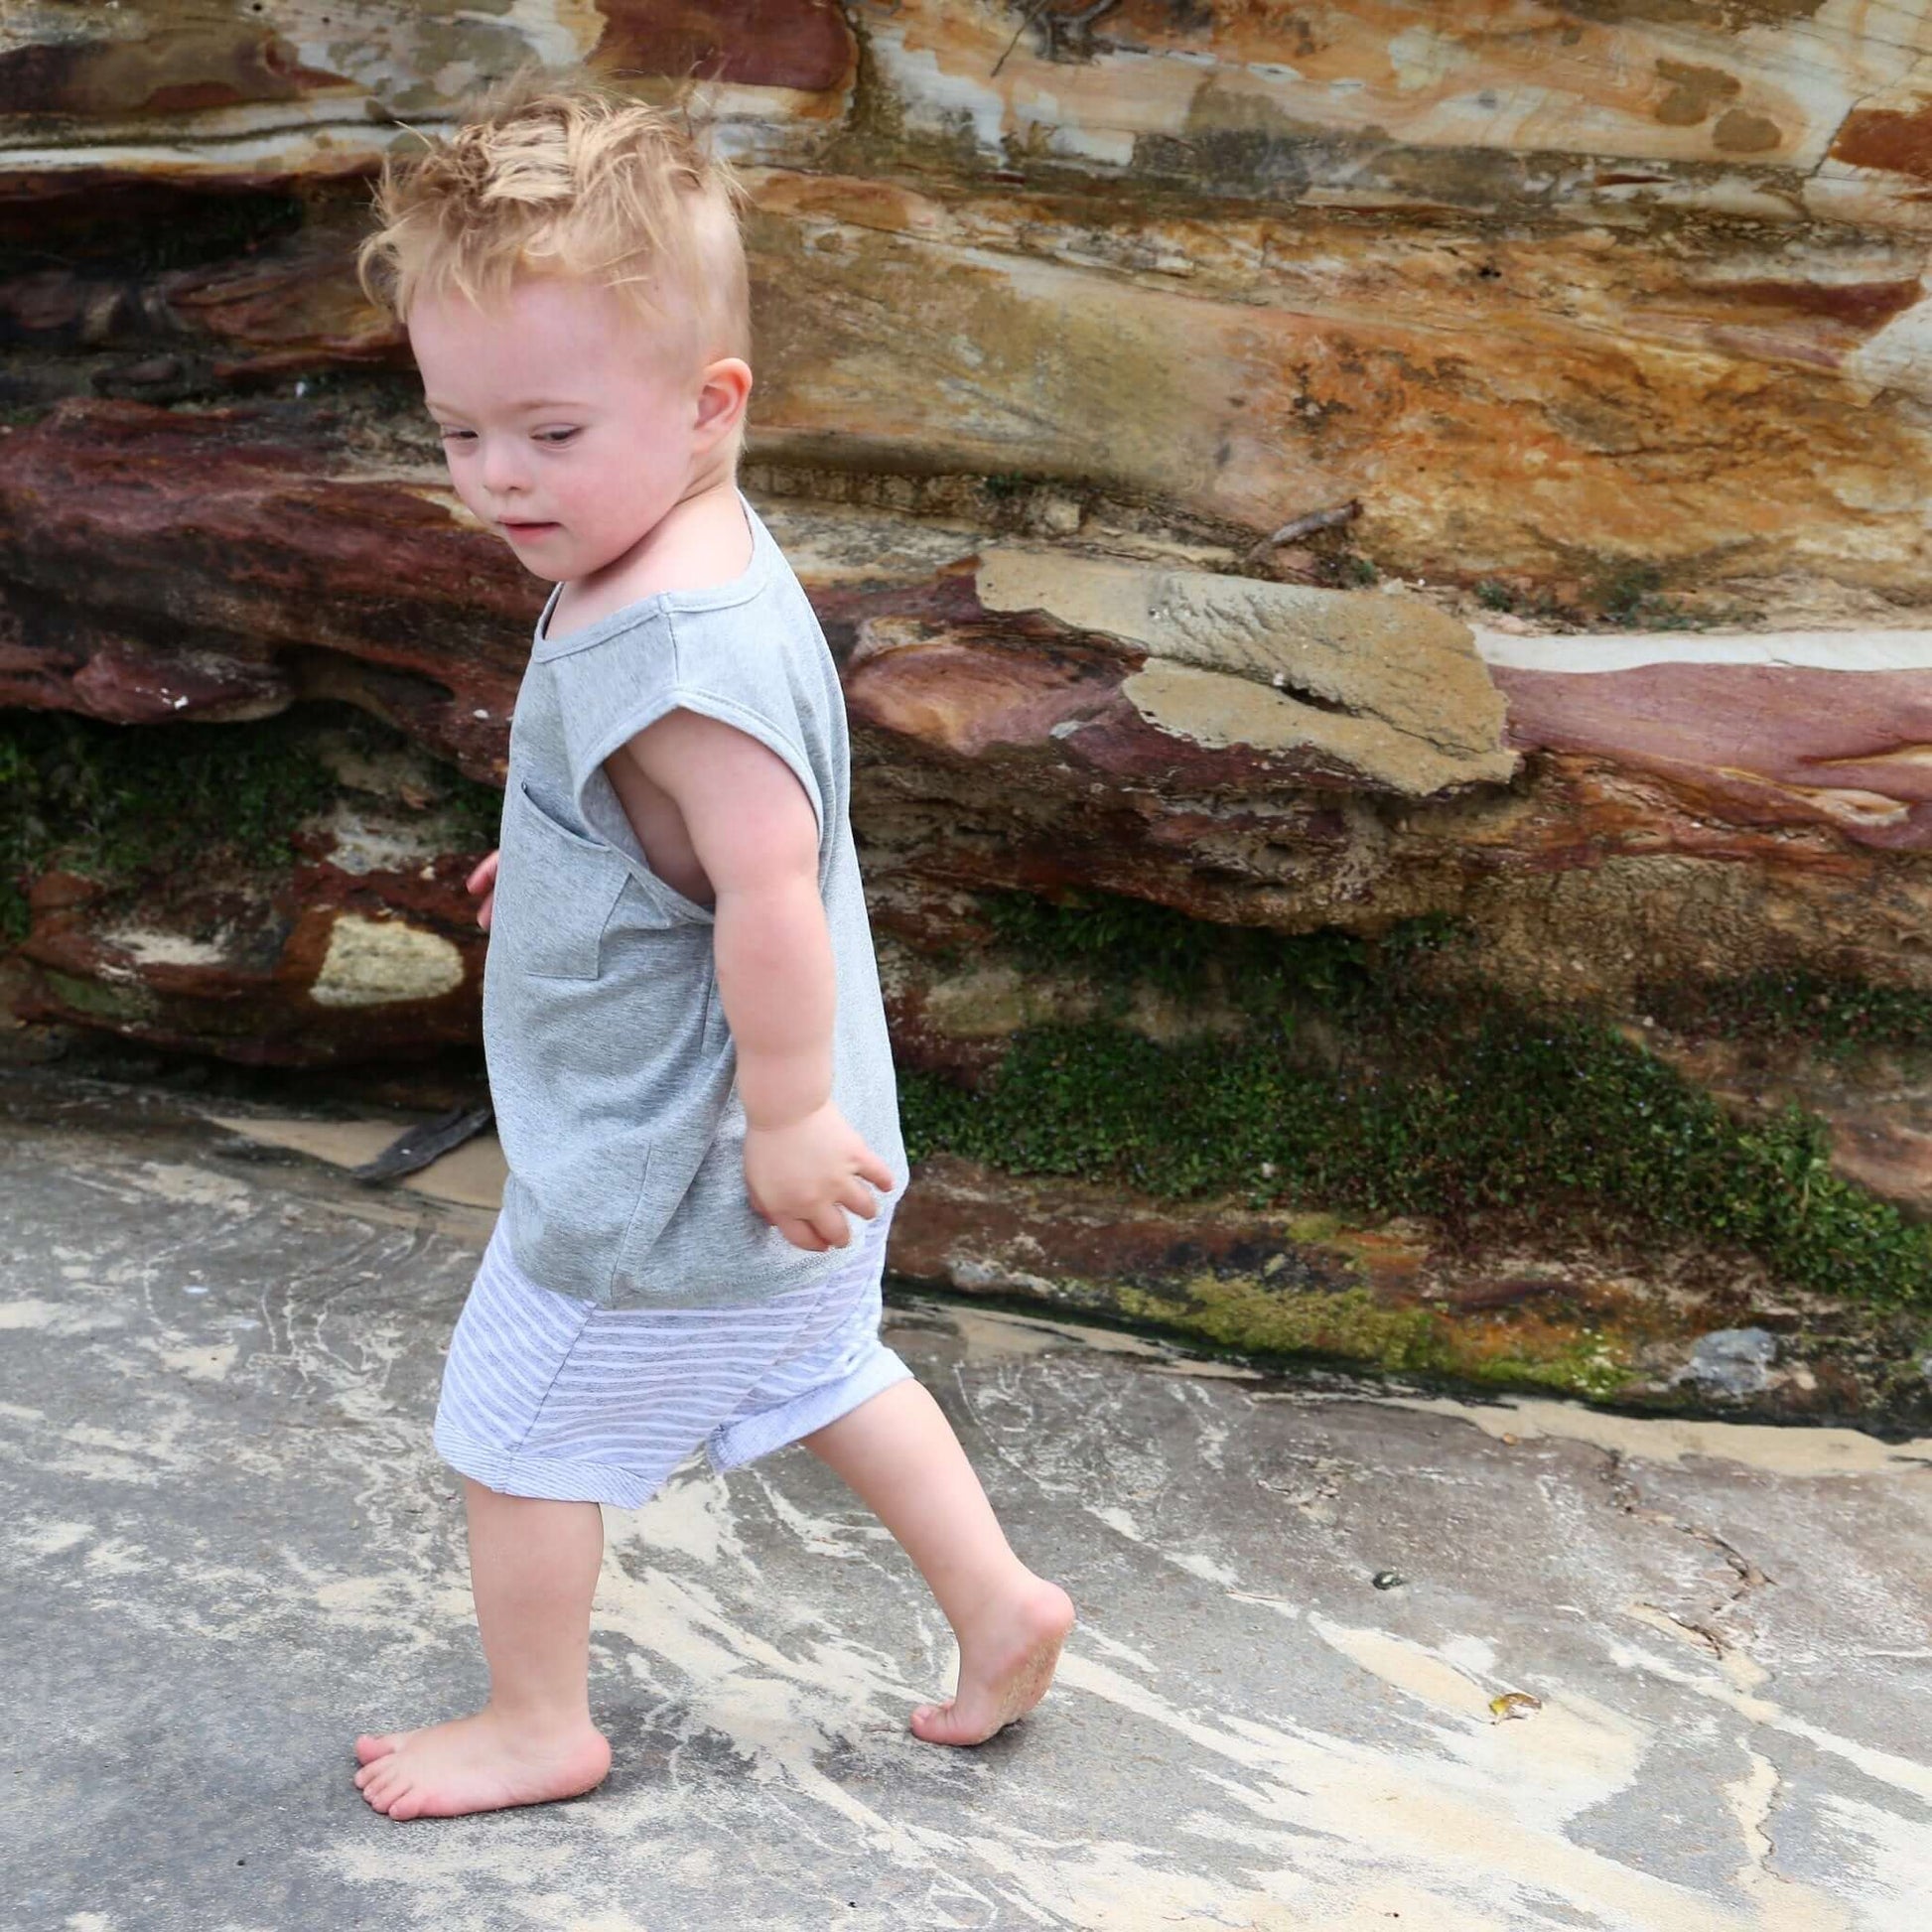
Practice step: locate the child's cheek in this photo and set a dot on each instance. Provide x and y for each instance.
(461, 482)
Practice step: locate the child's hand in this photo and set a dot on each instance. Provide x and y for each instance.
(484, 881)
(800, 1177)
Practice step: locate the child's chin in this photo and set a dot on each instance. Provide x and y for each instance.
(548, 568)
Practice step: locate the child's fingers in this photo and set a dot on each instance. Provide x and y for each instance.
(802, 1234)
(875, 1171)
(830, 1225)
(484, 876)
(861, 1201)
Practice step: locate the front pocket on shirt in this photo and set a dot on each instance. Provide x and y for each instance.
(556, 895)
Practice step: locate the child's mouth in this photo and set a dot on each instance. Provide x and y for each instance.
(526, 529)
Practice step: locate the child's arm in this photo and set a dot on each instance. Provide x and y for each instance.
(751, 828)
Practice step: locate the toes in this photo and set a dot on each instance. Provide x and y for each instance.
(369, 1749)
(939, 1724)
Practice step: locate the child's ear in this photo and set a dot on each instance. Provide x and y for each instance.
(723, 391)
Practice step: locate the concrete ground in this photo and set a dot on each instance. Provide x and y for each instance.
(229, 1548)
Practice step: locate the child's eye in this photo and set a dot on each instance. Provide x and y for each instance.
(555, 435)
(458, 435)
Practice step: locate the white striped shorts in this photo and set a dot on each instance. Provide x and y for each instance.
(546, 1395)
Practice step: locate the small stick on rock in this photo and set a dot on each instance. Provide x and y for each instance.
(1304, 526)
(1026, 20)
(429, 1140)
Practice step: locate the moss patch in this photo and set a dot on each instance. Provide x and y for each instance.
(1839, 1017)
(1352, 1326)
(120, 803)
(113, 802)
(1355, 1092)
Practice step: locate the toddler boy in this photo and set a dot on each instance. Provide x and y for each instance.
(686, 1041)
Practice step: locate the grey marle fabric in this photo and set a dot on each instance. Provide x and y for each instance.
(610, 1062)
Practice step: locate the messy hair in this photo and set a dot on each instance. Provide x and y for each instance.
(562, 175)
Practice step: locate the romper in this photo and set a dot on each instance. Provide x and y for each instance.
(612, 1066)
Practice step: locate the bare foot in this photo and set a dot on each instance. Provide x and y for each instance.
(1006, 1662)
(479, 1763)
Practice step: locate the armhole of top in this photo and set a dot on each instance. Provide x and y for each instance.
(721, 710)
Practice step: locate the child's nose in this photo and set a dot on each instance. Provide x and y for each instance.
(502, 469)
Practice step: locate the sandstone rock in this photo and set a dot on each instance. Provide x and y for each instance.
(1221, 265)
(1059, 311)
(321, 966)
(160, 86)
(267, 579)
(1385, 1300)
(1513, 403)
(1807, 729)
(1023, 718)
(1723, 108)
(1391, 693)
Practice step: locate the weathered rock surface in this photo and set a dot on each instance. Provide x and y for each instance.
(1388, 1297)
(1245, 750)
(1079, 330)
(220, 1473)
(1620, 285)
(1661, 1335)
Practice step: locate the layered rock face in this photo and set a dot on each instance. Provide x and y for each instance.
(1307, 468)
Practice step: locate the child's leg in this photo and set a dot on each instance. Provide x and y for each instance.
(900, 1454)
(533, 1569)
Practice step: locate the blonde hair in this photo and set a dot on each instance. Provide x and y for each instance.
(562, 175)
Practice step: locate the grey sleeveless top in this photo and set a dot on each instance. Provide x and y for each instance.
(611, 1063)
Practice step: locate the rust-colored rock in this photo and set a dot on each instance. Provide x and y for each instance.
(1770, 744)
(131, 535)
(1051, 719)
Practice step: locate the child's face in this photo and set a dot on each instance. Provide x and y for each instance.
(567, 430)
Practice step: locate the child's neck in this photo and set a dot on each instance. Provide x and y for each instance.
(703, 540)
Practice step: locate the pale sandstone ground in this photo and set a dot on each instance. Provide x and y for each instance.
(229, 1548)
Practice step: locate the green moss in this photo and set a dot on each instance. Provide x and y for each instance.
(476, 810)
(1457, 1109)
(1584, 1368)
(1840, 1017)
(1352, 1326)
(1495, 595)
(1347, 1323)
(118, 1004)
(1629, 593)
(1002, 484)
(118, 803)
(114, 802)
